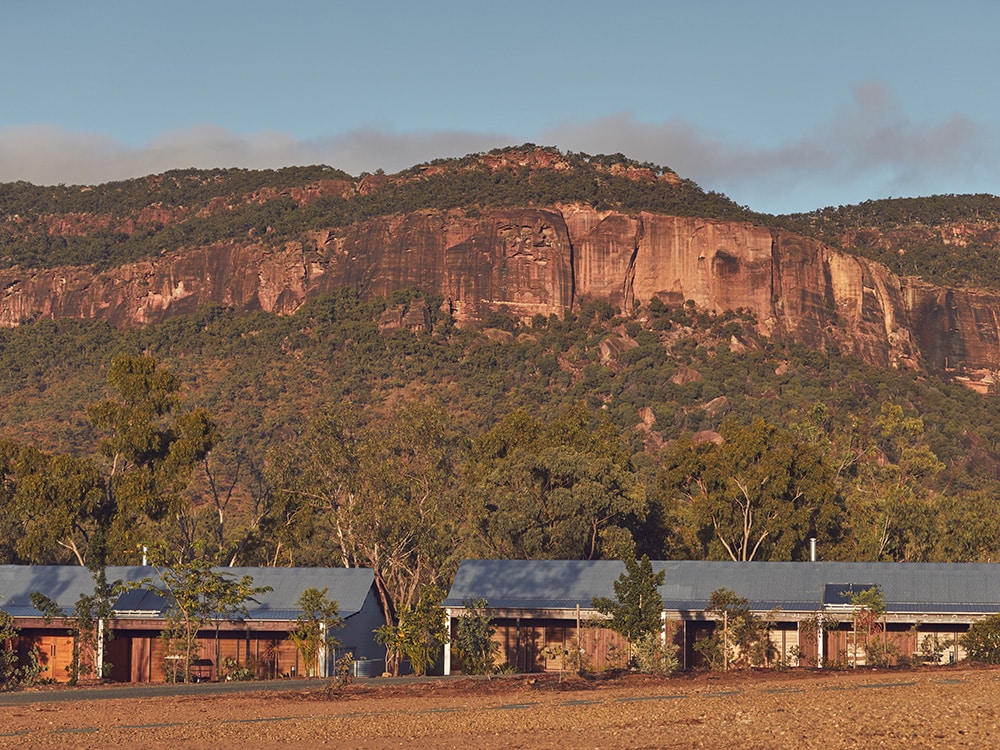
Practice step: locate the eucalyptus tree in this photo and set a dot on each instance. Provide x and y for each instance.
(560, 489)
(381, 495)
(758, 493)
(150, 449)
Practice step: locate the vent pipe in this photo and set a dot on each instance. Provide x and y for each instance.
(812, 549)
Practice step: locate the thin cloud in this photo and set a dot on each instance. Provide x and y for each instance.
(869, 149)
(870, 143)
(47, 155)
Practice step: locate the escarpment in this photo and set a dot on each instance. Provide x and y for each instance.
(544, 261)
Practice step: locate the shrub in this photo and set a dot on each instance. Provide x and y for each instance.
(652, 656)
(474, 639)
(982, 641)
(12, 674)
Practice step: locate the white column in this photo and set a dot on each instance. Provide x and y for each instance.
(819, 643)
(447, 646)
(322, 651)
(99, 667)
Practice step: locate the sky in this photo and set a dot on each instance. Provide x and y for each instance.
(783, 105)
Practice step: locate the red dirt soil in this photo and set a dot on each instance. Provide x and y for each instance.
(943, 707)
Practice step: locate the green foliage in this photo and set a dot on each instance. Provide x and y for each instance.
(473, 641)
(13, 673)
(745, 637)
(982, 640)
(197, 595)
(909, 235)
(233, 671)
(312, 636)
(637, 607)
(150, 457)
(419, 635)
(867, 609)
(383, 492)
(583, 487)
(878, 464)
(652, 656)
(759, 494)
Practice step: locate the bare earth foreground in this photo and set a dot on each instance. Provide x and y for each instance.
(945, 707)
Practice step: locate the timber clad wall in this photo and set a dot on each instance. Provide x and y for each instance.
(140, 656)
(546, 645)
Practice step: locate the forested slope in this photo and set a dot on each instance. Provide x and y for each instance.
(563, 438)
(367, 430)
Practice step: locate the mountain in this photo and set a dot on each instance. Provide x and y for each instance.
(522, 232)
(572, 329)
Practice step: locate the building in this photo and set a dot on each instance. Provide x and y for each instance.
(542, 609)
(135, 650)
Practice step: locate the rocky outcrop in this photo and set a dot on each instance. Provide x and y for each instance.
(543, 261)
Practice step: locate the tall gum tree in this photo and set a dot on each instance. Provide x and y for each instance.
(563, 489)
(150, 450)
(759, 494)
(384, 492)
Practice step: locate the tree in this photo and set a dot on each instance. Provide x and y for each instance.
(565, 490)
(759, 494)
(59, 501)
(386, 493)
(745, 636)
(151, 450)
(419, 635)
(311, 636)
(473, 640)
(868, 607)
(891, 501)
(982, 640)
(197, 595)
(637, 608)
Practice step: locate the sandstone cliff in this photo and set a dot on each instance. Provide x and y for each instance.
(533, 261)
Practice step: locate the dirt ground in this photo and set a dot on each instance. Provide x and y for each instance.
(944, 707)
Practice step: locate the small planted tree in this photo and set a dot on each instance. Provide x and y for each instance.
(312, 636)
(474, 639)
(637, 608)
(197, 595)
(744, 639)
(419, 635)
(866, 625)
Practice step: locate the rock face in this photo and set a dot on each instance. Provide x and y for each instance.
(535, 261)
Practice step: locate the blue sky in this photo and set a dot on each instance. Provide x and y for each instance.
(782, 105)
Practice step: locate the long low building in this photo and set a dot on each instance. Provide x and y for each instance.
(136, 652)
(543, 608)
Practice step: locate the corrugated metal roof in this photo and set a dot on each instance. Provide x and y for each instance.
(64, 584)
(931, 588)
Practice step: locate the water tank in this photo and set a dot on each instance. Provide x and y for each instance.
(368, 667)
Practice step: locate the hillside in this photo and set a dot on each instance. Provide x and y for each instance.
(522, 232)
(599, 336)
(656, 382)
